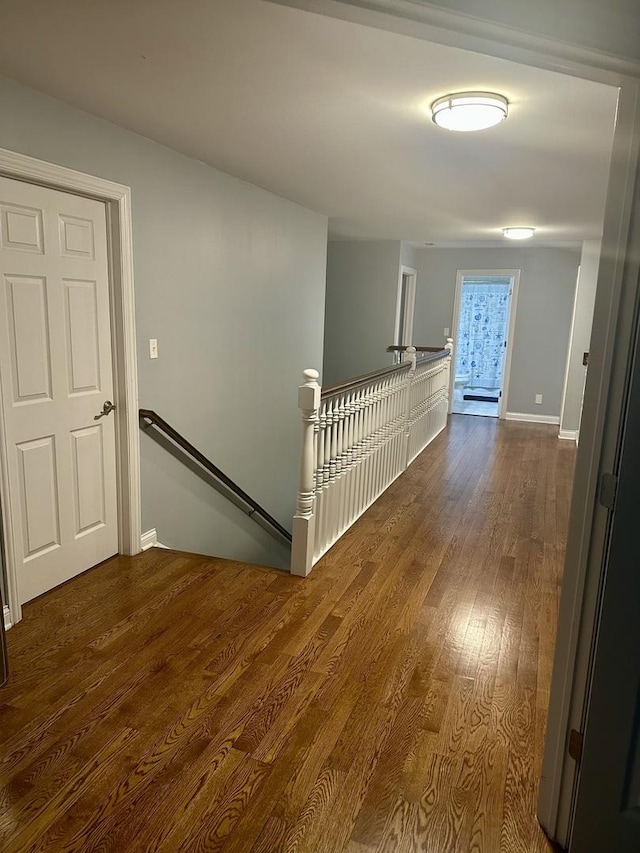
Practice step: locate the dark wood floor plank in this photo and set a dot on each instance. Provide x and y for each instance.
(395, 700)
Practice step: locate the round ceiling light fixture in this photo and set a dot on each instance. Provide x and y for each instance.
(466, 111)
(518, 233)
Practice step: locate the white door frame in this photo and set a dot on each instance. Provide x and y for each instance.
(409, 307)
(117, 199)
(562, 433)
(611, 342)
(511, 325)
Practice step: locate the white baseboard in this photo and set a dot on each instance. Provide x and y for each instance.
(8, 622)
(568, 434)
(531, 418)
(150, 540)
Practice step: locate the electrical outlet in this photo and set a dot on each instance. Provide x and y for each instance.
(538, 399)
(153, 347)
(446, 333)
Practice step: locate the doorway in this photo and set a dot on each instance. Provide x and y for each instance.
(404, 310)
(484, 315)
(30, 376)
(56, 373)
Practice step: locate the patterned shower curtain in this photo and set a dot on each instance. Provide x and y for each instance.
(482, 330)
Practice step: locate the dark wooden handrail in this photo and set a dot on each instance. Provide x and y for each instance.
(430, 354)
(330, 390)
(397, 348)
(152, 418)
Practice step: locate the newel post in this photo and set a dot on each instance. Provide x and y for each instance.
(447, 388)
(304, 520)
(411, 356)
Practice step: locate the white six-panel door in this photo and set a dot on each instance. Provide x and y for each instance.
(55, 374)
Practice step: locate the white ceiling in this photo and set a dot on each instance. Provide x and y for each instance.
(328, 113)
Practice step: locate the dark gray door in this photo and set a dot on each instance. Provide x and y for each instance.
(607, 805)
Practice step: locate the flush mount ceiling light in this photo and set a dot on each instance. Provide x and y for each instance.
(518, 233)
(467, 111)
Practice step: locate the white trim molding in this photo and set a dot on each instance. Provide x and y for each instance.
(117, 199)
(409, 307)
(8, 621)
(568, 434)
(149, 539)
(422, 19)
(531, 418)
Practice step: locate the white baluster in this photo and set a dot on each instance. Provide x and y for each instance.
(449, 366)
(400, 427)
(323, 479)
(302, 549)
(348, 451)
(349, 414)
(355, 500)
(336, 449)
(378, 441)
(374, 405)
(328, 414)
(318, 478)
(393, 425)
(382, 435)
(332, 421)
(402, 424)
(410, 392)
(352, 459)
(387, 437)
(367, 406)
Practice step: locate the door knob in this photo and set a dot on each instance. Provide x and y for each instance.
(108, 407)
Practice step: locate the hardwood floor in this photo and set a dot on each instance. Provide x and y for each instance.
(395, 700)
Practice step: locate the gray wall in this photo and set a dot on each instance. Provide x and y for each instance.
(580, 335)
(360, 314)
(408, 255)
(543, 318)
(230, 279)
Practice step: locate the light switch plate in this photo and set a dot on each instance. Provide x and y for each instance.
(153, 347)
(538, 399)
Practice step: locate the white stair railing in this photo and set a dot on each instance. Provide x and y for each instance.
(357, 437)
